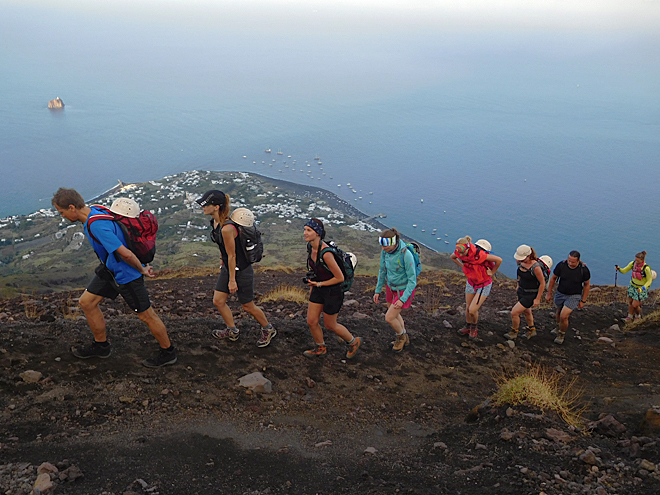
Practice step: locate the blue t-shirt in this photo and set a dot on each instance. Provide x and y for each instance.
(111, 238)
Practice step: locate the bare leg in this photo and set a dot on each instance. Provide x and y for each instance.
(156, 326)
(314, 311)
(393, 317)
(473, 308)
(89, 303)
(330, 322)
(563, 319)
(517, 310)
(468, 302)
(220, 302)
(256, 313)
(529, 317)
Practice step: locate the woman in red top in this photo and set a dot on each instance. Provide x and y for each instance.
(479, 266)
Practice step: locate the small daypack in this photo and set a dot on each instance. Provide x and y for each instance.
(544, 268)
(140, 232)
(250, 241)
(475, 268)
(414, 248)
(343, 259)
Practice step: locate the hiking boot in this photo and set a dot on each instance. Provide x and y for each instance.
(473, 332)
(554, 331)
(352, 348)
(628, 318)
(226, 334)
(512, 335)
(267, 335)
(560, 338)
(92, 350)
(465, 330)
(318, 351)
(400, 342)
(637, 317)
(531, 332)
(161, 358)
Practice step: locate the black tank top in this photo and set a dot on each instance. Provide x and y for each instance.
(527, 281)
(322, 274)
(216, 236)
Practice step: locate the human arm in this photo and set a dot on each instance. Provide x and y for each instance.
(626, 268)
(455, 259)
(648, 276)
(585, 292)
(337, 274)
(382, 273)
(539, 276)
(496, 260)
(229, 234)
(411, 275)
(129, 258)
(551, 285)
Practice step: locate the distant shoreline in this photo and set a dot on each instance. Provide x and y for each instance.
(334, 200)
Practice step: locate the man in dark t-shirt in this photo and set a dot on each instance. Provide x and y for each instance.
(572, 290)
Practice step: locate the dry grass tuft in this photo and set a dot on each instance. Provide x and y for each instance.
(187, 272)
(275, 268)
(653, 317)
(542, 389)
(285, 292)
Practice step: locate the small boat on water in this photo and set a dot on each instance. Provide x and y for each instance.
(289, 156)
(320, 162)
(279, 152)
(317, 157)
(267, 150)
(244, 156)
(414, 225)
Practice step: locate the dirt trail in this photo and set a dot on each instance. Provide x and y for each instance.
(190, 428)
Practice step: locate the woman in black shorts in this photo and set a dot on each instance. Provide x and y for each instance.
(325, 294)
(236, 275)
(531, 285)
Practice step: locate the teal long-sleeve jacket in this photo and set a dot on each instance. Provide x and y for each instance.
(398, 270)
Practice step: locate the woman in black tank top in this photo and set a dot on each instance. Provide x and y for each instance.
(236, 275)
(325, 293)
(531, 284)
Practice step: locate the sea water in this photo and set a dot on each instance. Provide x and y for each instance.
(517, 138)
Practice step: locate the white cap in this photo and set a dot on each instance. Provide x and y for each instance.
(243, 217)
(484, 244)
(547, 260)
(522, 252)
(354, 260)
(125, 207)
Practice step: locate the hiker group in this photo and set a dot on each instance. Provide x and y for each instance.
(123, 238)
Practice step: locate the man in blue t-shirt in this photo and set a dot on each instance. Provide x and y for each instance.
(120, 272)
(572, 290)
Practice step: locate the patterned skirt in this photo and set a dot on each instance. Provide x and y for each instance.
(636, 294)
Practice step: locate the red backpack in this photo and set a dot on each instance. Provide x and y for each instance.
(140, 232)
(475, 266)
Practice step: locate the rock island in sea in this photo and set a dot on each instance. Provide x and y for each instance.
(56, 104)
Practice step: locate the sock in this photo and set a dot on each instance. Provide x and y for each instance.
(168, 349)
(267, 327)
(232, 329)
(404, 331)
(103, 344)
(351, 342)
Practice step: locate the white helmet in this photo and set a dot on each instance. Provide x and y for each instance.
(654, 274)
(354, 260)
(243, 217)
(125, 207)
(547, 260)
(484, 244)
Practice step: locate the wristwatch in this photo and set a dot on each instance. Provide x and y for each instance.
(583, 302)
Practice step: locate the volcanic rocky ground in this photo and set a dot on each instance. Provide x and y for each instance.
(417, 422)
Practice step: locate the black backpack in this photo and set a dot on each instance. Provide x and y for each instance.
(249, 238)
(342, 258)
(544, 269)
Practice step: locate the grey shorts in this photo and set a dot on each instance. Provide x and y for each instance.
(134, 293)
(571, 302)
(483, 291)
(244, 280)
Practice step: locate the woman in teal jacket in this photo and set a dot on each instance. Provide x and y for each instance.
(397, 268)
(640, 282)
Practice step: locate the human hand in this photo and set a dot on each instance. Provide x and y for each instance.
(398, 304)
(548, 296)
(537, 301)
(148, 271)
(233, 287)
(376, 298)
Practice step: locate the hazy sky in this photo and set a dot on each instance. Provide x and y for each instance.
(383, 14)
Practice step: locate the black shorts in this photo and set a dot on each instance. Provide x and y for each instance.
(332, 298)
(134, 293)
(526, 298)
(244, 280)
